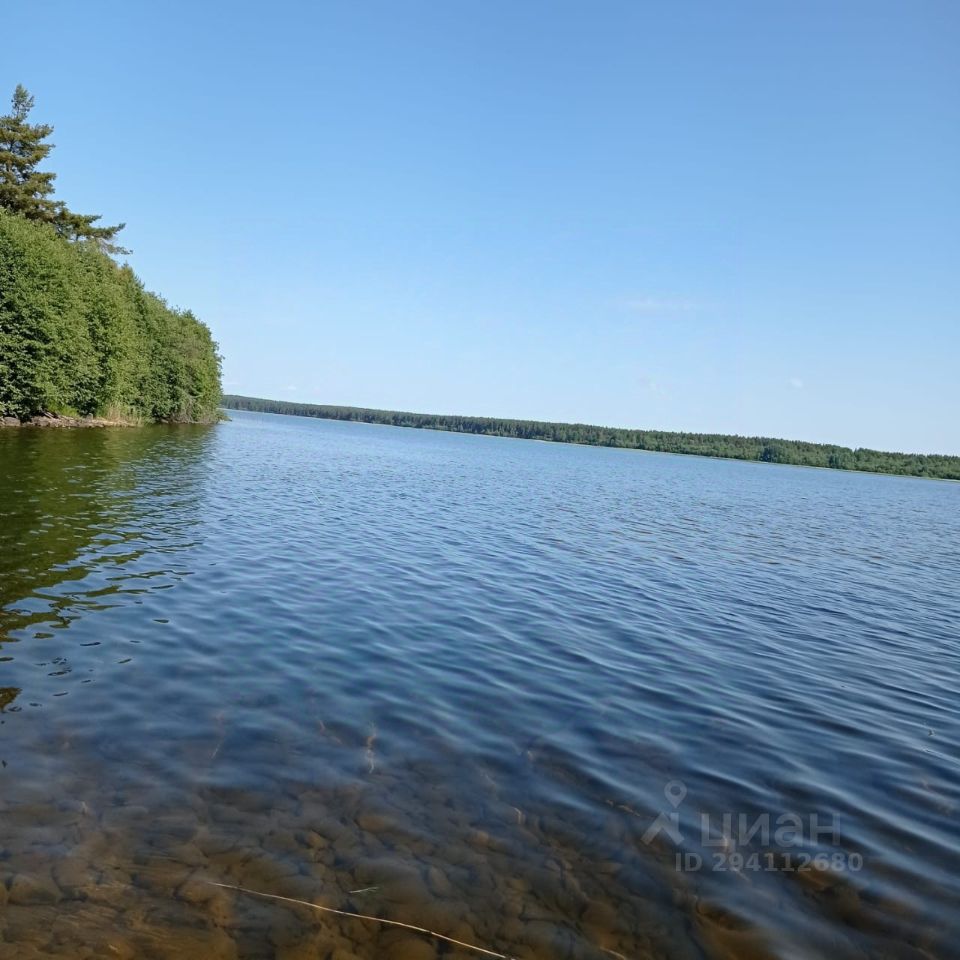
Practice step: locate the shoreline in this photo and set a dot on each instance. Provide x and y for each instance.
(56, 420)
(49, 421)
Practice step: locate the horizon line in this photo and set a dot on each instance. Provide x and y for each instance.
(589, 426)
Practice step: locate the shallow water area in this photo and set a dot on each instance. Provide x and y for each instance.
(491, 688)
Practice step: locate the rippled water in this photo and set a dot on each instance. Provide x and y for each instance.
(453, 681)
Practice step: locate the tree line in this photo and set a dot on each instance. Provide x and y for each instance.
(762, 449)
(79, 334)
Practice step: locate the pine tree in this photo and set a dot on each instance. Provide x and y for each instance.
(28, 191)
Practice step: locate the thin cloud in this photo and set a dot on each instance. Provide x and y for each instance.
(660, 306)
(796, 383)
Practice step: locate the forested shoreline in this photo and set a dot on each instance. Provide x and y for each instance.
(762, 449)
(80, 337)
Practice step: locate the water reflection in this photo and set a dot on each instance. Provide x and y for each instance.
(81, 509)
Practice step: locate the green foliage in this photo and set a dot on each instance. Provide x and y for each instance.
(702, 444)
(28, 191)
(78, 333)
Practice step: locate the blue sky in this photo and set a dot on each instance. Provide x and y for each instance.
(718, 216)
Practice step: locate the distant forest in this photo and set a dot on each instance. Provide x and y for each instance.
(763, 449)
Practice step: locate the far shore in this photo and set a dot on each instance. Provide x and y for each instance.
(714, 445)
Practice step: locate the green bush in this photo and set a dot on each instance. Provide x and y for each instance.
(79, 334)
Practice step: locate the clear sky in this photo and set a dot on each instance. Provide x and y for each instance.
(719, 216)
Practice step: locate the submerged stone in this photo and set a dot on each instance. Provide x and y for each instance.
(26, 889)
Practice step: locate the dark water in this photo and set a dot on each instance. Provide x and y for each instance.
(452, 681)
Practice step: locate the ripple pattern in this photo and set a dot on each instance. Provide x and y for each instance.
(454, 681)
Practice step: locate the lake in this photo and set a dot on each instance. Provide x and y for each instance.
(547, 700)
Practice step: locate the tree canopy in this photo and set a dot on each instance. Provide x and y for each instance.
(28, 191)
(79, 334)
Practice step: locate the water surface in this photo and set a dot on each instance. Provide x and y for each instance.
(453, 681)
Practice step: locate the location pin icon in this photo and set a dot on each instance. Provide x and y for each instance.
(675, 791)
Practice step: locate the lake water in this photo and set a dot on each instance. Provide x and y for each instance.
(454, 681)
